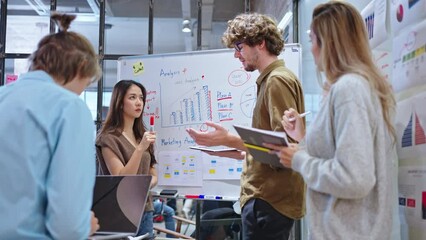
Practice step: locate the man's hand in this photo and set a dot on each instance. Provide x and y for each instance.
(94, 223)
(213, 138)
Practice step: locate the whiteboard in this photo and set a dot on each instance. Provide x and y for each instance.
(183, 91)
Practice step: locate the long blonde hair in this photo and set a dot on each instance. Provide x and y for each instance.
(344, 48)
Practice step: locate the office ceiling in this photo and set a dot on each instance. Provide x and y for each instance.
(131, 15)
(128, 24)
(223, 9)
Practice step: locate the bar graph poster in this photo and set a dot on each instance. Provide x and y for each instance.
(406, 12)
(411, 147)
(184, 90)
(409, 58)
(374, 15)
(411, 129)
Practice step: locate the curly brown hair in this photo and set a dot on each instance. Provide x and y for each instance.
(252, 29)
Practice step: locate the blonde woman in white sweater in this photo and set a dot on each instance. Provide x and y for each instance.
(348, 154)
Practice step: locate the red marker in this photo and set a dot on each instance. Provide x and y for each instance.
(151, 123)
(191, 196)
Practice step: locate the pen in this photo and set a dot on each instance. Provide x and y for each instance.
(151, 123)
(301, 115)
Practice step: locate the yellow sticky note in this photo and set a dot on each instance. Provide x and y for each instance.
(212, 171)
(138, 68)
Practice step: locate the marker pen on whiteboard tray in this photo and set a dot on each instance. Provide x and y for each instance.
(151, 123)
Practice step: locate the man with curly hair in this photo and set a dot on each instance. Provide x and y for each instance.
(271, 198)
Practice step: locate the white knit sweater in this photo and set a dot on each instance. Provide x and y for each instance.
(347, 162)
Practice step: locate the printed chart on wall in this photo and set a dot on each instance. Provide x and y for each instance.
(411, 146)
(406, 12)
(409, 51)
(374, 15)
(409, 83)
(411, 128)
(185, 90)
(412, 200)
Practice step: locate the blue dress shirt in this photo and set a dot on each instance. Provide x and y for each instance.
(47, 160)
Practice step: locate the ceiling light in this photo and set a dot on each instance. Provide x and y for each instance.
(186, 28)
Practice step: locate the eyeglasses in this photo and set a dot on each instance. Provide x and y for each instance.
(238, 46)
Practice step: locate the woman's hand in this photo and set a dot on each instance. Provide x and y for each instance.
(284, 153)
(293, 124)
(147, 139)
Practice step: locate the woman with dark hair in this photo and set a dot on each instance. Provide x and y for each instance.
(47, 167)
(123, 145)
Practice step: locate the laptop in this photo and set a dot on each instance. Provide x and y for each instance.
(119, 203)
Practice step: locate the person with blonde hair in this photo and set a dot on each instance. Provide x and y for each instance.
(47, 167)
(348, 156)
(271, 198)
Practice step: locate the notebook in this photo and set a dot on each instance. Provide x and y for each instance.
(119, 203)
(254, 138)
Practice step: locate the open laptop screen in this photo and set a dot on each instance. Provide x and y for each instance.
(119, 202)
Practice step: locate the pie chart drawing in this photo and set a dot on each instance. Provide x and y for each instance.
(248, 101)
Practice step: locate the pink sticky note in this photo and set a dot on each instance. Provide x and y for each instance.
(11, 78)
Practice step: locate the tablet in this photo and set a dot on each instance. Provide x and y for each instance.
(213, 148)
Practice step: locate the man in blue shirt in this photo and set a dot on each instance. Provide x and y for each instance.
(47, 163)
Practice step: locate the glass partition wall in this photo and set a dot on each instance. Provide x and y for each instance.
(115, 28)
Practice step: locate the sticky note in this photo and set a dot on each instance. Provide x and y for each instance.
(11, 78)
(138, 68)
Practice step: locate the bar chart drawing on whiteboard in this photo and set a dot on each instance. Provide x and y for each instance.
(192, 106)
